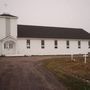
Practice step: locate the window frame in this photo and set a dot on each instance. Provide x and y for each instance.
(42, 44)
(88, 44)
(9, 45)
(68, 44)
(6, 46)
(55, 44)
(79, 44)
(28, 44)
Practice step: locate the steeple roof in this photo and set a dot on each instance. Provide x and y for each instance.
(7, 15)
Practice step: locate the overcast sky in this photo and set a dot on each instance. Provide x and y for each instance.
(60, 13)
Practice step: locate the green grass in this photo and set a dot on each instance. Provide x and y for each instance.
(66, 71)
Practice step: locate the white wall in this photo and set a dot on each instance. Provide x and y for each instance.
(13, 27)
(2, 28)
(21, 48)
(35, 47)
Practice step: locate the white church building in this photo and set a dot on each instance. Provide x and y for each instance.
(20, 40)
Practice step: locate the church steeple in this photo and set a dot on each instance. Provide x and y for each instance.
(8, 23)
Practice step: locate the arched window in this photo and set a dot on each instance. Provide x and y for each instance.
(5, 46)
(9, 45)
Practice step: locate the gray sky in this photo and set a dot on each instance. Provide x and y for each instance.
(60, 13)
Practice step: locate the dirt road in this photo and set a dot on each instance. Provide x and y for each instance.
(26, 73)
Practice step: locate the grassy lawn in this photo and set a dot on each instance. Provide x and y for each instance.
(73, 74)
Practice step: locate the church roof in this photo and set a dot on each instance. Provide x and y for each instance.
(30, 31)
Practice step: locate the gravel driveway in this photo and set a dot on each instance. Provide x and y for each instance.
(26, 73)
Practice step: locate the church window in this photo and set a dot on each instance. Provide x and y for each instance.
(28, 44)
(67, 43)
(42, 44)
(8, 45)
(5, 45)
(79, 44)
(56, 44)
(88, 44)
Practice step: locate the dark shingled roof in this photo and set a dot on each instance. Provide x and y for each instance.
(4, 14)
(29, 31)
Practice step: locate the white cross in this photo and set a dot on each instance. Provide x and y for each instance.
(5, 7)
(85, 58)
(72, 57)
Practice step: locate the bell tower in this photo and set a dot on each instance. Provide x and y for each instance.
(8, 25)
